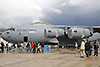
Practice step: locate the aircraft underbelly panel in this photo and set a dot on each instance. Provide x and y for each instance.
(66, 40)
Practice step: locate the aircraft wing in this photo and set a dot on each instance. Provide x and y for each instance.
(79, 32)
(96, 29)
(93, 29)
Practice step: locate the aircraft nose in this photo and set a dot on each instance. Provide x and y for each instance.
(3, 35)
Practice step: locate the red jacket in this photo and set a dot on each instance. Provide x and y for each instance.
(32, 45)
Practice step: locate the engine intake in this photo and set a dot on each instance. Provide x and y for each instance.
(53, 33)
(78, 33)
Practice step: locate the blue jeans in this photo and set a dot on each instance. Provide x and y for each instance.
(91, 51)
(27, 49)
(96, 51)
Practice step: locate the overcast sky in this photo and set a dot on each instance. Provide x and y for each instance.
(60, 12)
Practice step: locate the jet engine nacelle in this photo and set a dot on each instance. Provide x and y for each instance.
(78, 33)
(53, 33)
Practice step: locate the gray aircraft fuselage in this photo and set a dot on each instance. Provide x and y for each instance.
(45, 33)
(26, 34)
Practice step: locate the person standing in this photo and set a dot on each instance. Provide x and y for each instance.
(7, 47)
(38, 48)
(82, 49)
(18, 45)
(96, 46)
(91, 48)
(87, 48)
(42, 46)
(2, 47)
(22, 46)
(13, 47)
(27, 46)
(76, 45)
(34, 50)
(32, 46)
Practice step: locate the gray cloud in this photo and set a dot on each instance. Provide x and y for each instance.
(65, 12)
(77, 12)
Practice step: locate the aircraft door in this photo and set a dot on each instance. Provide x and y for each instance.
(25, 38)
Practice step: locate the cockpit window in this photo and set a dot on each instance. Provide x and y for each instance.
(11, 29)
(8, 29)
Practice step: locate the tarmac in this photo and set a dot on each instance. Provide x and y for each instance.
(52, 58)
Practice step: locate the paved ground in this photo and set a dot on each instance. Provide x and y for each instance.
(53, 58)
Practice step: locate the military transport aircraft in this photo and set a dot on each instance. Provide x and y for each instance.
(49, 33)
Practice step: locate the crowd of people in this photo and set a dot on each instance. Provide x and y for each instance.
(32, 47)
(86, 48)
